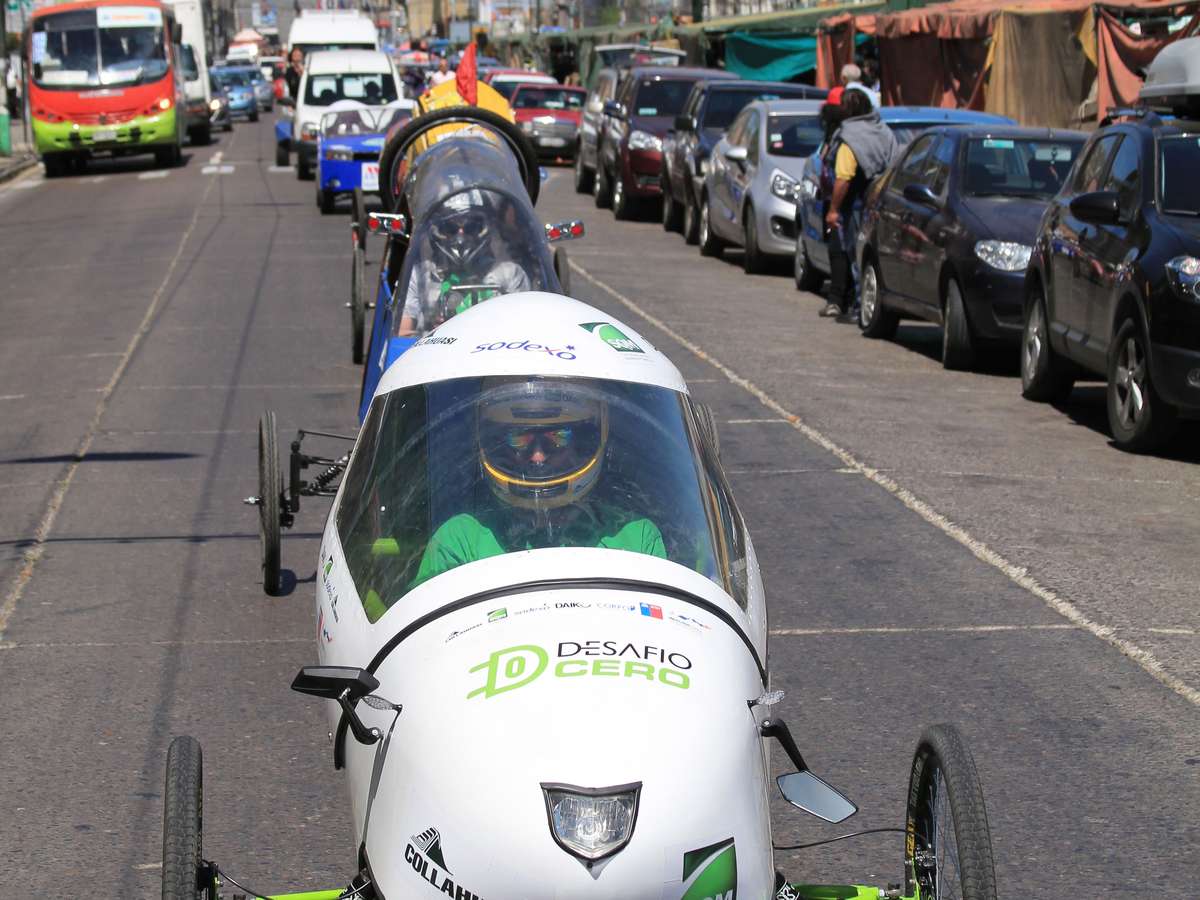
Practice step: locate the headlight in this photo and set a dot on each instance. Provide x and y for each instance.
(1184, 274)
(783, 186)
(642, 140)
(1004, 255)
(214, 105)
(592, 823)
(339, 154)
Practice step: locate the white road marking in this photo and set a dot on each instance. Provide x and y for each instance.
(145, 867)
(1017, 574)
(12, 396)
(216, 170)
(108, 645)
(33, 555)
(1183, 631)
(755, 421)
(247, 387)
(774, 471)
(156, 173)
(933, 629)
(281, 168)
(216, 158)
(26, 185)
(98, 179)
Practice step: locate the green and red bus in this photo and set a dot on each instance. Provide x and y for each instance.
(104, 79)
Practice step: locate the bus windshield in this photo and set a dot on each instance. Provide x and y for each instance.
(109, 45)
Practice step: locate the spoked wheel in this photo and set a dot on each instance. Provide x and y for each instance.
(358, 216)
(270, 488)
(948, 845)
(1045, 376)
(562, 268)
(184, 872)
(358, 314)
(1139, 418)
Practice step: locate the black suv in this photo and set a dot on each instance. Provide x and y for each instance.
(707, 113)
(1113, 285)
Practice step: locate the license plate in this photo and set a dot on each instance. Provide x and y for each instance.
(104, 134)
(370, 176)
(552, 141)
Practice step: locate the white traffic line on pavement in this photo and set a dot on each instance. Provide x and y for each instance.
(1017, 574)
(34, 554)
(154, 173)
(247, 387)
(281, 168)
(216, 170)
(929, 629)
(12, 396)
(107, 645)
(216, 158)
(756, 421)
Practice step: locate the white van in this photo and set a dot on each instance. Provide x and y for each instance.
(368, 76)
(348, 29)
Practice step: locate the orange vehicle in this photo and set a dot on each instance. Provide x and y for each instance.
(105, 78)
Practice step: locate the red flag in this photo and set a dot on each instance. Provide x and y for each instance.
(464, 76)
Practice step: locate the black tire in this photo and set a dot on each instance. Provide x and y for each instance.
(753, 260)
(282, 157)
(948, 841)
(583, 175)
(358, 216)
(200, 135)
(672, 209)
(622, 205)
(270, 489)
(254, 116)
(183, 822)
(691, 221)
(562, 268)
(303, 170)
(807, 277)
(397, 145)
(1045, 376)
(710, 244)
(958, 345)
(601, 189)
(229, 124)
(358, 312)
(326, 200)
(55, 165)
(168, 157)
(1139, 418)
(874, 318)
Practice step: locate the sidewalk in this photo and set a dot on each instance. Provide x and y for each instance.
(22, 158)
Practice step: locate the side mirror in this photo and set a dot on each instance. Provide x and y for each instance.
(564, 231)
(806, 791)
(736, 154)
(683, 123)
(1097, 208)
(613, 108)
(920, 194)
(347, 686)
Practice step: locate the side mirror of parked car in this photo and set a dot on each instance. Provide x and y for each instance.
(920, 193)
(1098, 207)
(736, 154)
(683, 123)
(613, 108)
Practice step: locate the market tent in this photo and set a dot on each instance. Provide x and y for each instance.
(769, 56)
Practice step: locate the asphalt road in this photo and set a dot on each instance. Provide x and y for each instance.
(935, 548)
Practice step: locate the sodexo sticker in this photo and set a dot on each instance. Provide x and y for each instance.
(527, 346)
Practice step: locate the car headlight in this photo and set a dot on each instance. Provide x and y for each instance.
(214, 105)
(591, 823)
(339, 154)
(643, 140)
(1006, 256)
(783, 186)
(1184, 274)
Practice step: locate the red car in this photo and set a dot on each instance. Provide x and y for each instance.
(550, 115)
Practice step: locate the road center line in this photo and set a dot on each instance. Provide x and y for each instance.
(33, 555)
(1017, 574)
(109, 645)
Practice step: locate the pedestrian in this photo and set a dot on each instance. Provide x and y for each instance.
(851, 74)
(294, 71)
(870, 73)
(861, 151)
(443, 73)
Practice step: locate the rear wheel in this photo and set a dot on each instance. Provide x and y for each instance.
(562, 268)
(358, 216)
(270, 489)
(358, 315)
(958, 347)
(303, 169)
(672, 209)
(601, 190)
(753, 260)
(875, 319)
(254, 115)
(55, 163)
(621, 203)
(583, 175)
(168, 157)
(1045, 376)
(325, 200)
(282, 157)
(949, 844)
(183, 866)
(1138, 417)
(691, 221)
(200, 135)
(710, 244)
(807, 278)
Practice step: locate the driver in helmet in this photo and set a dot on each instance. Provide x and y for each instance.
(542, 447)
(461, 235)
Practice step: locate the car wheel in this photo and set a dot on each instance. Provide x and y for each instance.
(55, 165)
(200, 135)
(183, 822)
(672, 209)
(229, 124)
(303, 170)
(562, 268)
(270, 489)
(358, 317)
(1138, 417)
(807, 278)
(874, 318)
(358, 216)
(710, 244)
(753, 260)
(949, 842)
(691, 221)
(583, 175)
(1045, 376)
(601, 191)
(254, 116)
(326, 200)
(282, 158)
(958, 347)
(621, 204)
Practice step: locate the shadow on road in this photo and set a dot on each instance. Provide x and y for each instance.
(1088, 407)
(122, 456)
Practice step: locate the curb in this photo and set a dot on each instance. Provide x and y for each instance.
(16, 167)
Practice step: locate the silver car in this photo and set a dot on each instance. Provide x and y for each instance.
(749, 186)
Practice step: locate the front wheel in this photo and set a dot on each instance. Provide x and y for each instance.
(958, 347)
(691, 221)
(358, 316)
(183, 866)
(948, 844)
(358, 216)
(807, 278)
(621, 204)
(325, 200)
(254, 116)
(303, 169)
(1045, 376)
(282, 158)
(1138, 417)
(710, 244)
(601, 190)
(672, 209)
(583, 175)
(753, 260)
(270, 489)
(875, 319)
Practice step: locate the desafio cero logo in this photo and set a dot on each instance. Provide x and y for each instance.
(516, 667)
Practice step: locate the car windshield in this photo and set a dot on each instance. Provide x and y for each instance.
(661, 97)
(1178, 186)
(112, 45)
(797, 136)
(548, 98)
(724, 104)
(448, 473)
(638, 56)
(373, 89)
(233, 79)
(1016, 167)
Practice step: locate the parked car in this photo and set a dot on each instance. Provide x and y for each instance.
(1114, 279)
(505, 81)
(947, 232)
(629, 160)
(221, 116)
(747, 196)
(906, 122)
(592, 125)
(242, 101)
(550, 115)
(708, 111)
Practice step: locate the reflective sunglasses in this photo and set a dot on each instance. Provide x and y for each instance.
(557, 438)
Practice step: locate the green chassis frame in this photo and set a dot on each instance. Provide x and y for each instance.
(803, 892)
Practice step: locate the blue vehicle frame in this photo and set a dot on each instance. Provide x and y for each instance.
(348, 148)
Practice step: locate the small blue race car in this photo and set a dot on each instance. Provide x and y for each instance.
(348, 147)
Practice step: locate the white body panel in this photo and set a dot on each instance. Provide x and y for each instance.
(312, 28)
(336, 62)
(190, 16)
